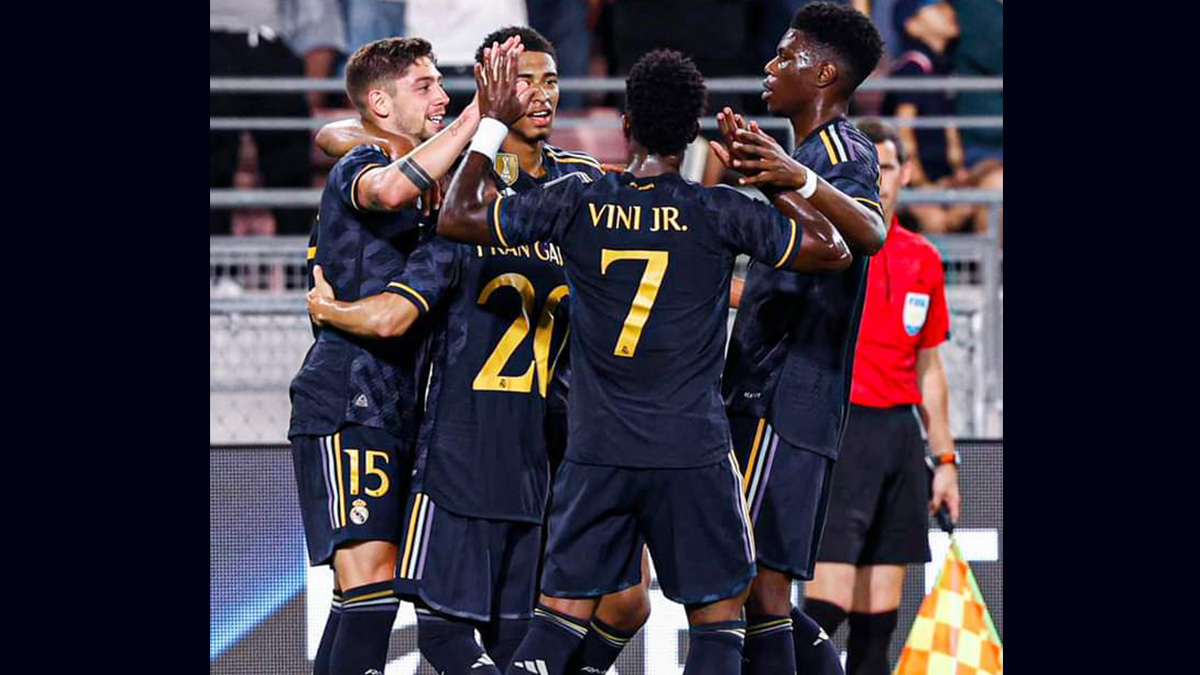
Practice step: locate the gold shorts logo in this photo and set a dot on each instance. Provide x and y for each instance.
(359, 512)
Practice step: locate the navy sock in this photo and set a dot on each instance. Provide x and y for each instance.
(448, 644)
(321, 662)
(867, 646)
(715, 648)
(769, 647)
(601, 648)
(815, 653)
(827, 614)
(361, 645)
(502, 637)
(551, 641)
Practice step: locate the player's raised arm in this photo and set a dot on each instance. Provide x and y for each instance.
(503, 99)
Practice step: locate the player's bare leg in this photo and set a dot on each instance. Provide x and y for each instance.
(617, 619)
(363, 571)
(716, 636)
(769, 630)
(873, 613)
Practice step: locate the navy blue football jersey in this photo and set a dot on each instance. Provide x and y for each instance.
(648, 263)
(345, 379)
(498, 327)
(791, 351)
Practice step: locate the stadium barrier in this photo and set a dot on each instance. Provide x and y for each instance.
(267, 608)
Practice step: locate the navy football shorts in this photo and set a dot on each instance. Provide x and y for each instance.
(787, 489)
(694, 522)
(352, 487)
(471, 568)
(878, 513)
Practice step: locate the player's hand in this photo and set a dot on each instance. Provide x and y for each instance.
(320, 293)
(766, 160)
(501, 95)
(728, 123)
(431, 199)
(945, 490)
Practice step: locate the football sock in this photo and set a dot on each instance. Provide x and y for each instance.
(601, 648)
(321, 662)
(867, 646)
(551, 641)
(368, 613)
(501, 639)
(448, 644)
(715, 648)
(815, 653)
(769, 647)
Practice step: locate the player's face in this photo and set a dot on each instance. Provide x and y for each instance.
(791, 75)
(420, 102)
(892, 176)
(538, 70)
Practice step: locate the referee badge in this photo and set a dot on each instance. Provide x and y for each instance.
(359, 512)
(916, 308)
(507, 167)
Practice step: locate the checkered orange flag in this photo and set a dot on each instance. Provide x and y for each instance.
(953, 633)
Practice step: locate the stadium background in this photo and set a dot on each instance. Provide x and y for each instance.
(261, 619)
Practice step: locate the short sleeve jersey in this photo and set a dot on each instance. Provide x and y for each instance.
(498, 327)
(648, 263)
(904, 312)
(791, 352)
(345, 379)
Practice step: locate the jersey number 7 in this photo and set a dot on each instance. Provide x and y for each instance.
(643, 301)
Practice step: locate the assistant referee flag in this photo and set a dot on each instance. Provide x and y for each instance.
(953, 633)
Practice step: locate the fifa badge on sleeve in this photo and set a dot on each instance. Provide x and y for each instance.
(916, 308)
(507, 167)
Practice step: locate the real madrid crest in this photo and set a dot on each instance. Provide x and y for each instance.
(359, 512)
(507, 167)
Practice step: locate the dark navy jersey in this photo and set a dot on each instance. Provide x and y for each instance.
(648, 262)
(498, 327)
(792, 347)
(345, 379)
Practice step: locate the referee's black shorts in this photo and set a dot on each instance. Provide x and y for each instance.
(878, 510)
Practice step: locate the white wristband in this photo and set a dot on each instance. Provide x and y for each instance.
(810, 184)
(488, 137)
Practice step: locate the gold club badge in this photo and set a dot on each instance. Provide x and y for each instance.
(507, 167)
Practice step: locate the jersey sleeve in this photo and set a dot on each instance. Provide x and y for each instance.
(755, 228)
(430, 273)
(848, 161)
(540, 214)
(346, 173)
(937, 326)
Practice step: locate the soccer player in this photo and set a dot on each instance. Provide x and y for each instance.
(787, 376)
(648, 258)
(525, 161)
(355, 402)
(879, 505)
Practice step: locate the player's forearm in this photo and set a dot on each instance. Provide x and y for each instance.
(935, 401)
(863, 229)
(822, 248)
(337, 138)
(464, 207)
(380, 316)
(392, 189)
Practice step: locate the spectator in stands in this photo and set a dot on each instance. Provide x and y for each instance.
(565, 25)
(980, 53)
(370, 20)
(269, 38)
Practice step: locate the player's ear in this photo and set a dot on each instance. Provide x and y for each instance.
(379, 103)
(827, 73)
(625, 128)
(906, 172)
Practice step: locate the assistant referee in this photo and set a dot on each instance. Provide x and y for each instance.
(880, 501)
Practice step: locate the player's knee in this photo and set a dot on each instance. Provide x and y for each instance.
(729, 609)
(770, 594)
(627, 610)
(365, 563)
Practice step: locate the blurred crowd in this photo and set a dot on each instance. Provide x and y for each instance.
(597, 38)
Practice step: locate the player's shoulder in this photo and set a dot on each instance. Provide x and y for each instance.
(723, 196)
(584, 161)
(365, 153)
(838, 145)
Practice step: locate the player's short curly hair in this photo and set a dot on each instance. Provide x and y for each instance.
(380, 63)
(664, 98)
(880, 132)
(848, 33)
(530, 38)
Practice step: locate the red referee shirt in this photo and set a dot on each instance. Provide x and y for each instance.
(904, 311)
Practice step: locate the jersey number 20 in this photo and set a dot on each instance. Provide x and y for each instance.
(489, 377)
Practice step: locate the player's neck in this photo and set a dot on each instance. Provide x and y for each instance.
(815, 116)
(529, 155)
(644, 163)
